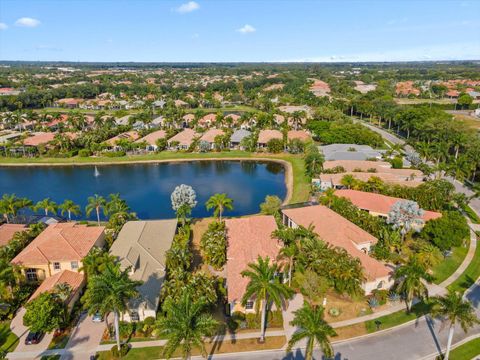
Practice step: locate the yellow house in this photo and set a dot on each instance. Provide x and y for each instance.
(59, 247)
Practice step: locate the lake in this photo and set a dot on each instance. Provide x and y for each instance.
(147, 187)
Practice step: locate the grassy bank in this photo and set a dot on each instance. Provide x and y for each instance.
(466, 351)
(8, 340)
(470, 275)
(448, 266)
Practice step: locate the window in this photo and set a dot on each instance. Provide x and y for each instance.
(31, 274)
(56, 266)
(249, 305)
(134, 316)
(74, 265)
(380, 284)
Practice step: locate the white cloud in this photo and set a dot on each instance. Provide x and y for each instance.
(3, 26)
(247, 29)
(188, 7)
(27, 22)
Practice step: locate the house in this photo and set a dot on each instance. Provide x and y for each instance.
(326, 181)
(320, 88)
(248, 238)
(157, 122)
(39, 138)
(232, 119)
(210, 135)
(141, 246)
(207, 120)
(75, 279)
(338, 231)
(60, 246)
(182, 140)
(70, 103)
(266, 135)
(237, 137)
(151, 139)
(187, 120)
(299, 135)
(123, 121)
(180, 104)
(364, 88)
(7, 231)
(350, 152)
(128, 136)
(357, 165)
(405, 88)
(377, 204)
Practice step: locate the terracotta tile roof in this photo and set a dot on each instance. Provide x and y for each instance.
(351, 165)
(209, 136)
(74, 279)
(298, 134)
(338, 231)
(188, 117)
(7, 231)
(248, 238)
(129, 135)
(378, 203)
(39, 138)
(153, 137)
(60, 242)
(336, 179)
(266, 135)
(184, 137)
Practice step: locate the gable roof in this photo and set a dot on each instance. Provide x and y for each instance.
(400, 179)
(266, 135)
(39, 138)
(8, 230)
(298, 134)
(153, 137)
(74, 279)
(210, 135)
(184, 137)
(378, 203)
(60, 242)
(248, 238)
(239, 135)
(338, 231)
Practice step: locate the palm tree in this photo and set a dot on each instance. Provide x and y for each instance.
(183, 212)
(185, 325)
(411, 277)
(47, 205)
(219, 202)
(288, 253)
(95, 203)
(70, 208)
(96, 261)
(110, 291)
(8, 206)
(311, 326)
(265, 286)
(453, 308)
(348, 181)
(327, 197)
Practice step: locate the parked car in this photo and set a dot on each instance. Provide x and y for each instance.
(97, 317)
(33, 338)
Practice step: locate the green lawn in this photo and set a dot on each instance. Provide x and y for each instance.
(301, 184)
(470, 275)
(466, 351)
(448, 266)
(8, 340)
(471, 214)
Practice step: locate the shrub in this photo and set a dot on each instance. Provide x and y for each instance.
(373, 303)
(381, 296)
(334, 312)
(275, 146)
(126, 329)
(397, 162)
(449, 230)
(123, 351)
(84, 153)
(214, 245)
(114, 153)
(149, 321)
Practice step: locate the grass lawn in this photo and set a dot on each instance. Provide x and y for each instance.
(448, 266)
(301, 184)
(466, 351)
(239, 108)
(470, 275)
(274, 342)
(8, 340)
(471, 214)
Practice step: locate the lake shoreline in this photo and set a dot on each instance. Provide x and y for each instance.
(289, 181)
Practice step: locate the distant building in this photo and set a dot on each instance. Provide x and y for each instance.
(237, 137)
(350, 152)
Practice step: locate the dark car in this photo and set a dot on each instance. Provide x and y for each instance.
(33, 338)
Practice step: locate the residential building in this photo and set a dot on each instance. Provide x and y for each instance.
(237, 137)
(141, 246)
(182, 140)
(39, 138)
(128, 136)
(301, 135)
(327, 181)
(338, 231)
(151, 139)
(61, 246)
(210, 135)
(207, 120)
(265, 136)
(7, 231)
(350, 152)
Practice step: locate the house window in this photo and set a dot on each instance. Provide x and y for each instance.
(56, 266)
(249, 305)
(380, 285)
(74, 265)
(31, 274)
(134, 316)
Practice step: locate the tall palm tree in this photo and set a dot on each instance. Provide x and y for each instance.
(265, 286)
(110, 291)
(453, 308)
(96, 261)
(288, 253)
(220, 203)
(411, 277)
(8, 206)
(70, 208)
(96, 203)
(46, 205)
(185, 325)
(311, 326)
(327, 197)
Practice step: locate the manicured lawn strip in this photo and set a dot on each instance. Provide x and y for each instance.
(470, 275)
(448, 266)
(466, 351)
(8, 340)
(156, 352)
(471, 214)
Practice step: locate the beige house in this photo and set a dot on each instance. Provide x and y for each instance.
(141, 246)
(61, 246)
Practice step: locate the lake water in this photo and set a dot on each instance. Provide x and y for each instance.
(147, 187)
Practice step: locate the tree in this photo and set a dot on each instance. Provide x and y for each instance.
(327, 197)
(44, 313)
(410, 277)
(313, 161)
(9, 205)
(70, 208)
(264, 284)
(312, 286)
(96, 203)
(214, 244)
(311, 325)
(405, 215)
(288, 253)
(96, 261)
(185, 325)
(47, 205)
(275, 146)
(464, 100)
(271, 205)
(183, 195)
(449, 230)
(453, 309)
(219, 202)
(111, 291)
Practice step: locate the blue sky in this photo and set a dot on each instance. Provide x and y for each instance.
(249, 30)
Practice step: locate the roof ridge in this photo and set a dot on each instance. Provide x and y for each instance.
(68, 242)
(148, 252)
